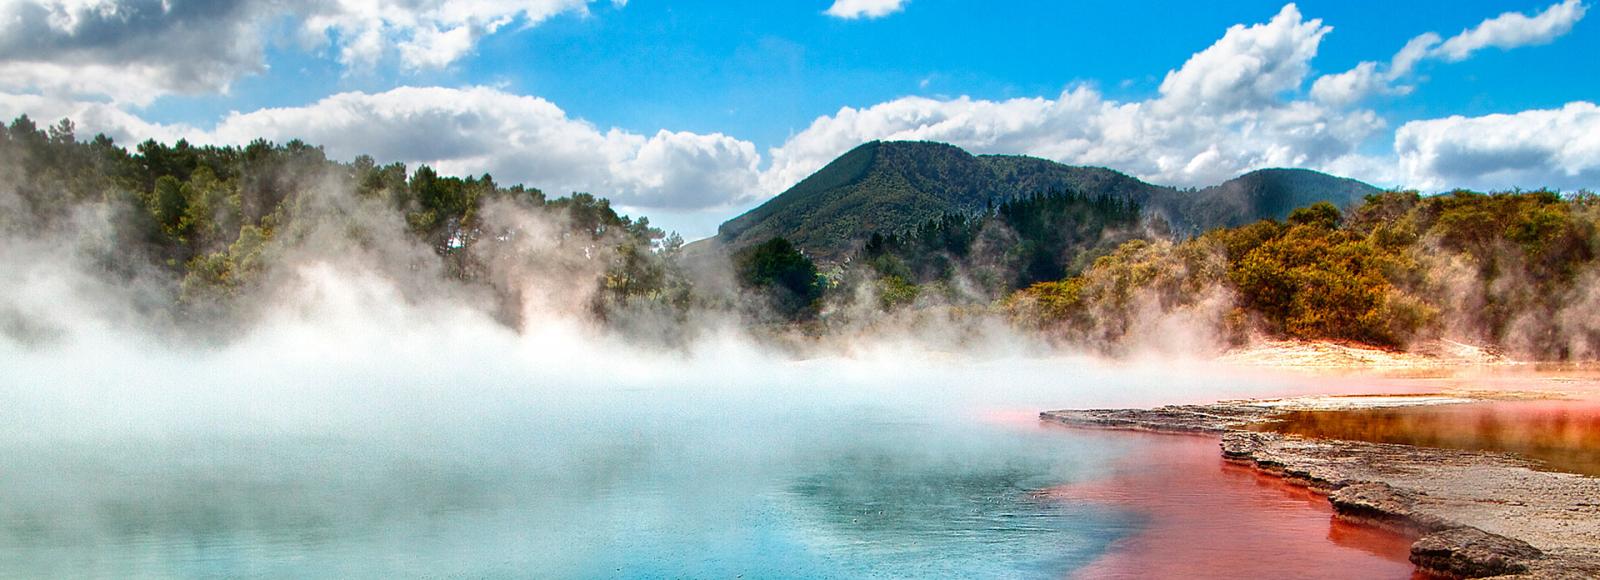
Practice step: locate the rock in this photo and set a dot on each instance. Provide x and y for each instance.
(1243, 445)
(1381, 504)
(1467, 552)
(1478, 513)
(1173, 418)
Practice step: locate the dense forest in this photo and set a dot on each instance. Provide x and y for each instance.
(207, 231)
(896, 186)
(983, 256)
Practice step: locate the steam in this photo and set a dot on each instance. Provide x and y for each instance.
(359, 390)
(357, 325)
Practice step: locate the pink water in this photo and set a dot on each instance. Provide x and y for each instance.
(1211, 519)
(1208, 518)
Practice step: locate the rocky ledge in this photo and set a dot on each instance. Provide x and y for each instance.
(1473, 514)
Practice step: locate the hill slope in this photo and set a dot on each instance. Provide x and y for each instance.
(886, 187)
(1264, 193)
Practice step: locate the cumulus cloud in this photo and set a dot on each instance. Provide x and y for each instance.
(852, 9)
(129, 50)
(467, 131)
(1223, 112)
(517, 139)
(1235, 106)
(422, 33)
(1557, 148)
(1232, 107)
(91, 117)
(1349, 87)
(1249, 67)
(1506, 31)
(133, 51)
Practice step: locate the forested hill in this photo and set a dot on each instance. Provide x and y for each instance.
(204, 227)
(204, 241)
(888, 187)
(1262, 194)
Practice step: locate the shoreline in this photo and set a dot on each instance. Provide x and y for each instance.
(1472, 514)
(1199, 516)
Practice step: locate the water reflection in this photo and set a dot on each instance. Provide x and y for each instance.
(910, 499)
(1206, 518)
(889, 499)
(1563, 435)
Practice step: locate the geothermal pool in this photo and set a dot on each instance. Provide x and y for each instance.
(487, 455)
(876, 493)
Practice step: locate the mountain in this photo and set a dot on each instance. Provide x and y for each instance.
(1261, 194)
(892, 186)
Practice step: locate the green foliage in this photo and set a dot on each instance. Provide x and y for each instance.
(788, 278)
(895, 187)
(1316, 282)
(1527, 250)
(1501, 268)
(1514, 269)
(1321, 215)
(167, 205)
(895, 292)
(210, 216)
(1027, 240)
(1104, 304)
(1264, 194)
(1056, 232)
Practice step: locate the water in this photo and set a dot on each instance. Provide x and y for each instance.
(1563, 435)
(452, 458)
(1206, 518)
(898, 500)
(983, 499)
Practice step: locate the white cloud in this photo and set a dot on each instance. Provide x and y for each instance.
(1234, 106)
(1223, 112)
(1506, 31)
(1412, 53)
(851, 9)
(1249, 67)
(516, 138)
(1514, 29)
(471, 131)
(134, 51)
(129, 50)
(90, 117)
(423, 33)
(1557, 148)
(1349, 87)
(519, 139)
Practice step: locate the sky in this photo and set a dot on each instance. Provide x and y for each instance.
(693, 112)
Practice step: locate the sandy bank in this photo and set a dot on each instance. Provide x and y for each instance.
(1474, 514)
(1307, 354)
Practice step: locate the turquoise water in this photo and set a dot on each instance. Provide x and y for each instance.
(468, 452)
(653, 499)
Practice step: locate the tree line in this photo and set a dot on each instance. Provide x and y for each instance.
(1512, 269)
(212, 218)
(1516, 270)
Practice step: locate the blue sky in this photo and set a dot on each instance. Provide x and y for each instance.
(692, 112)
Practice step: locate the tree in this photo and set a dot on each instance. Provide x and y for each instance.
(167, 205)
(786, 276)
(1321, 214)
